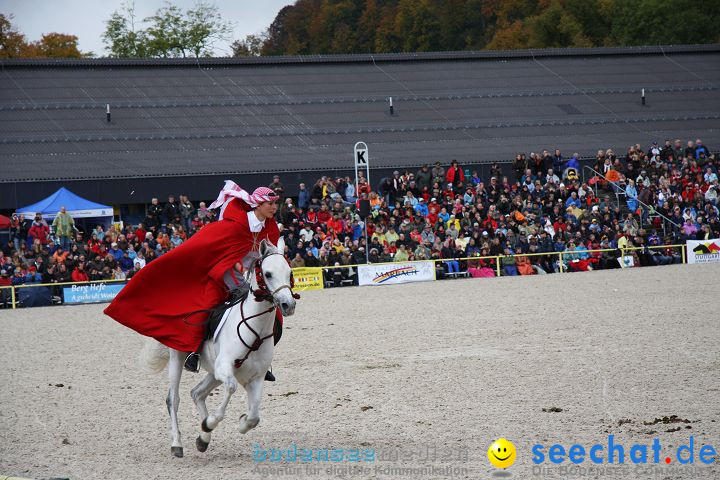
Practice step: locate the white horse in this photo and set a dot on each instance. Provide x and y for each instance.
(241, 351)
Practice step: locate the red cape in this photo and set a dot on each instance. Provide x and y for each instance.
(188, 278)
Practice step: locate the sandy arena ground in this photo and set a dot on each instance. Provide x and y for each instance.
(447, 367)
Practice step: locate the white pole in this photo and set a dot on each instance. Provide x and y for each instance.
(361, 159)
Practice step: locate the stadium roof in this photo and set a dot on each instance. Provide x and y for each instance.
(186, 117)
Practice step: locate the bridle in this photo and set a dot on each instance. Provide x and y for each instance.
(262, 293)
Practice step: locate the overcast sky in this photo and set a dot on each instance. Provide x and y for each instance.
(86, 18)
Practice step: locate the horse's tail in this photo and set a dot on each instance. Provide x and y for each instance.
(154, 356)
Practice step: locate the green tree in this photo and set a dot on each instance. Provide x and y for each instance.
(332, 30)
(121, 37)
(556, 27)
(417, 26)
(204, 26)
(655, 22)
(476, 25)
(166, 32)
(594, 18)
(451, 24)
(169, 33)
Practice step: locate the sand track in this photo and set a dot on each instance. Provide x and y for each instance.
(447, 365)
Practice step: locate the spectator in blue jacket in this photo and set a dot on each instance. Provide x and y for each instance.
(33, 276)
(573, 201)
(469, 197)
(115, 251)
(357, 231)
(126, 263)
(700, 148)
(631, 194)
(573, 162)
(18, 278)
(421, 208)
(303, 197)
(444, 215)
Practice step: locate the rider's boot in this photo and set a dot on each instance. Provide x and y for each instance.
(192, 362)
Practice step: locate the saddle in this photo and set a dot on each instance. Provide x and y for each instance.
(237, 295)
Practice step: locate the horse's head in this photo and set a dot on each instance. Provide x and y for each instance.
(276, 273)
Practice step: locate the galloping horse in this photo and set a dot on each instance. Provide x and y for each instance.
(240, 352)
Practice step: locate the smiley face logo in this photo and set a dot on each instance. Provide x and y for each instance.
(502, 453)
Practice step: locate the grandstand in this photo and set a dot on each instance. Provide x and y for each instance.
(184, 125)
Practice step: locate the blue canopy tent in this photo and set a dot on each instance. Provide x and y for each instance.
(84, 212)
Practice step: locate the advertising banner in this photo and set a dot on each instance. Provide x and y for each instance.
(627, 261)
(391, 273)
(308, 278)
(91, 293)
(703, 251)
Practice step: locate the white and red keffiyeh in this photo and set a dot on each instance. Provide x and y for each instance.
(231, 190)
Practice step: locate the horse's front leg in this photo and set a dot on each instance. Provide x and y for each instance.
(254, 393)
(199, 394)
(175, 367)
(230, 386)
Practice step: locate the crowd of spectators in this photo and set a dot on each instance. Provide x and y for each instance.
(37, 253)
(660, 196)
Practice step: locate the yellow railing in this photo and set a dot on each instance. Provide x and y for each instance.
(496, 258)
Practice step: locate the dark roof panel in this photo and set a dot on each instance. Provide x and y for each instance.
(305, 113)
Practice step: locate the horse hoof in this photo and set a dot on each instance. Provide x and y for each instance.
(243, 424)
(176, 451)
(201, 445)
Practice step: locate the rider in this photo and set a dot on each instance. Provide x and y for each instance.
(168, 299)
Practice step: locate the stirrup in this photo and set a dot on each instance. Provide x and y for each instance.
(192, 362)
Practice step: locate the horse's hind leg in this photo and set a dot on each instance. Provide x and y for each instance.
(173, 400)
(199, 394)
(254, 393)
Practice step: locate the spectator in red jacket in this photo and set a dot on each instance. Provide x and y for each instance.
(455, 175)
(324, 214)
(140, 233)
(40, 230)
(336, 224)
(79, 274)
